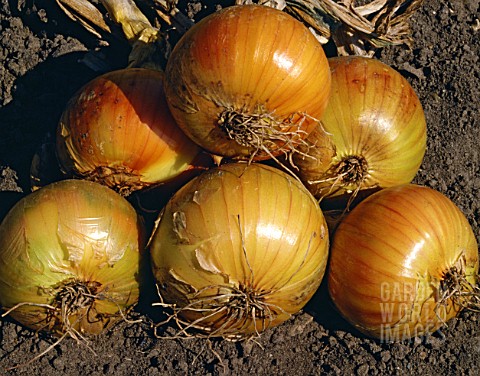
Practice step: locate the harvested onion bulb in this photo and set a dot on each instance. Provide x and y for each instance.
(239, 249)
(69, 258)
(118, 130)
(373, 133)
(247, 82)
(403, 262)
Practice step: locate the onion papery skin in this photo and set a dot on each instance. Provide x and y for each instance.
(375, 120)
(70, 234)
(118, 130)
(253, 60)
(390, 258)
(240, 228)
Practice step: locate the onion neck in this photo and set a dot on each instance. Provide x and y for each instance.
(351, 170)
(143, 37)
(73, 302)
(121, 179)
(459, 284)
(227, 311)
(261, 131)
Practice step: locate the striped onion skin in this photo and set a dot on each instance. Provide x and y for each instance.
(118, 130)
(250, 60)
(64, 244)
(392, 258)
(251, 237)
(374, 125)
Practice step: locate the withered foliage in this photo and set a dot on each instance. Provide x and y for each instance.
(355, 27)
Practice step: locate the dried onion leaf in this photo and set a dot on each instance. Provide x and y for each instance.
(354, 29)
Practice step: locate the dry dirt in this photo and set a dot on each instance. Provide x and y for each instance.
(42, 56)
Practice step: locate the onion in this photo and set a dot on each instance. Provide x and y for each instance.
(118, 130)
(373, 133)
(403, 262)
(239, 249)
(247, 82)
(69, 258)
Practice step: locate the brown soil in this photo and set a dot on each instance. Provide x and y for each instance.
(43, 63)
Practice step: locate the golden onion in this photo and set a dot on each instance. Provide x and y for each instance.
(403, 262)
(239, 249)
(373, 133)
(118, 130)
(247, 81)
(69, 258)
